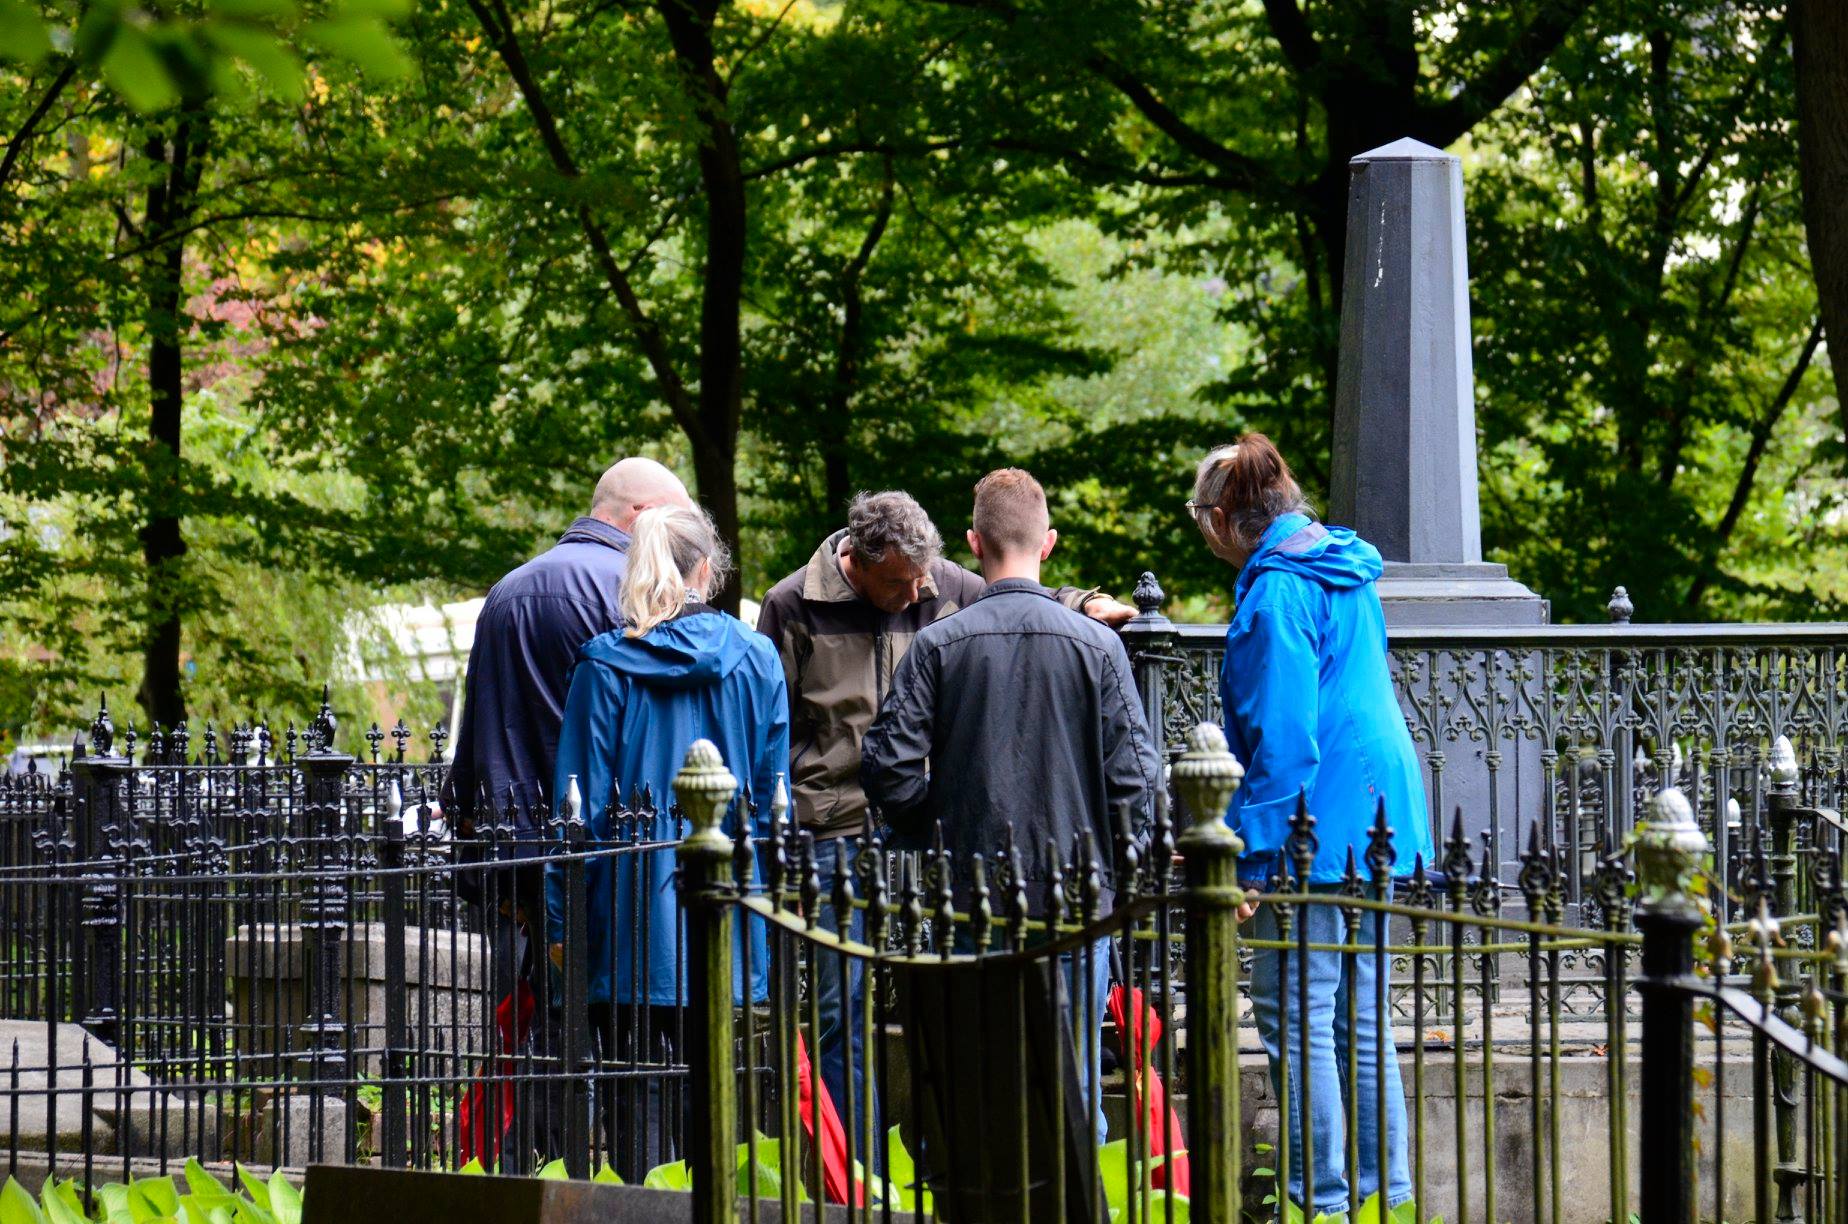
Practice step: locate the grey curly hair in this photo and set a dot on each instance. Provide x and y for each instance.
(880, 524)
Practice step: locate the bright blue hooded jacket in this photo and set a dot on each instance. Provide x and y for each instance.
(1309, 704)
(635, 706)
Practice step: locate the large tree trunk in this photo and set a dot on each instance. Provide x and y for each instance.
(1819, 29)
(163, 545)
(721, 368)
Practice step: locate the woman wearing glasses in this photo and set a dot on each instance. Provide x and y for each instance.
(1310, 710)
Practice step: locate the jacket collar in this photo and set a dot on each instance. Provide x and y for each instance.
(587, 530)
(1008, 586)
(823, 582)
(1282, 528)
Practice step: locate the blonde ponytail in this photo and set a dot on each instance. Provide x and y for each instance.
(666, 547)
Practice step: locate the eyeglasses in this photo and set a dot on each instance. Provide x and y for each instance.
(1194, 508)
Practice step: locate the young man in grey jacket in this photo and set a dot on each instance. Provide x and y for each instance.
(1016, 713)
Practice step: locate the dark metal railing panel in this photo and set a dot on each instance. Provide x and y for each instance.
(282, 957)
(1573, 726)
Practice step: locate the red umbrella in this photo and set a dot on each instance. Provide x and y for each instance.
(1148, 1096)
(477, 1136)
(834, 1173)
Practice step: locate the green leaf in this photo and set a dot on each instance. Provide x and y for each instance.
(17, 1207)
(134, 70)
(1113, 1171)
(22, 34)
(262, 12)
(363, 42)
(201, 1184)
(114, 1198)
(607, 1176)
(157, 1195)
(254, 1186)
(60, 1203)
(554, 1171)
(264, 52)
(285, 1199)
(902, 1177)
(473, 1167)
(65, 1192)
(383, 9)
(673, 1176)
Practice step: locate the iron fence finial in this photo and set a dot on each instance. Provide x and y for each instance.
(1208, 775)
(1783, 764)
(1148, 595)
(1620, 609)
(574, 802)
(1670, 851)
(704, 788)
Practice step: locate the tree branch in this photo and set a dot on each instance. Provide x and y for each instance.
(497, 24)
(1445, 122)
(1239, 171)
(16, 145)
(1292, 33)
(1754, 455)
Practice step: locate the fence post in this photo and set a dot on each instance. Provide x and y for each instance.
(395, 1104)
(1207, 775)
(1149, 637)
(574, 1052)
(705, 788)
(98, 787)
(324, 928)
(1670, 849)
(1782, 811)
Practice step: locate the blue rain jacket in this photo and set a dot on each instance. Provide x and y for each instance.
(1309, 704)
(635, 706)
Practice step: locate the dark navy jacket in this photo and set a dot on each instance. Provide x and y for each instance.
(519, 669)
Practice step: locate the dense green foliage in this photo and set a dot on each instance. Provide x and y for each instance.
(288, 333)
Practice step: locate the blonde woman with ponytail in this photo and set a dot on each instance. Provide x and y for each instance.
(677, 671)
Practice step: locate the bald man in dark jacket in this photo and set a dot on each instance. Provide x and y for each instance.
(526, 640)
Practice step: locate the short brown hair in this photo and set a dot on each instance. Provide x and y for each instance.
(1010, 511)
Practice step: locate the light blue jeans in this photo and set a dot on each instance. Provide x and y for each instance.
(1330, 986)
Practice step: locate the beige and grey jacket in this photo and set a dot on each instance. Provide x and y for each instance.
(839, 652)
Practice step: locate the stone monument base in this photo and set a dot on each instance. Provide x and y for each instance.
(1418, 595)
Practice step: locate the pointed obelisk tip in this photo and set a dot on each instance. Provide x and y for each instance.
(1404, 149)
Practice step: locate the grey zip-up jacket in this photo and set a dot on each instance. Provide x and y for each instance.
(839, 653)
(1019, 712)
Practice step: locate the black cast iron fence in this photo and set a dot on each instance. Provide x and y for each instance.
(1511, 1111)
(282, 957)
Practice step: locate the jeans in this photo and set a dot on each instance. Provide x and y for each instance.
(1329, 988)
(1089, 986)
(842, 1011)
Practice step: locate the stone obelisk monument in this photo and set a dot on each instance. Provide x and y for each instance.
(1404, 470)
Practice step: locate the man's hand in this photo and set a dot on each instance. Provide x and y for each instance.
(1245, 910)
(1105, 610)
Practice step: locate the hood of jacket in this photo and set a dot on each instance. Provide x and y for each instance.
(587, 530)
(691, 651)
(1333, 556)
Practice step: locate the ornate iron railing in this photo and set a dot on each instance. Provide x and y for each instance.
(1573, 726)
